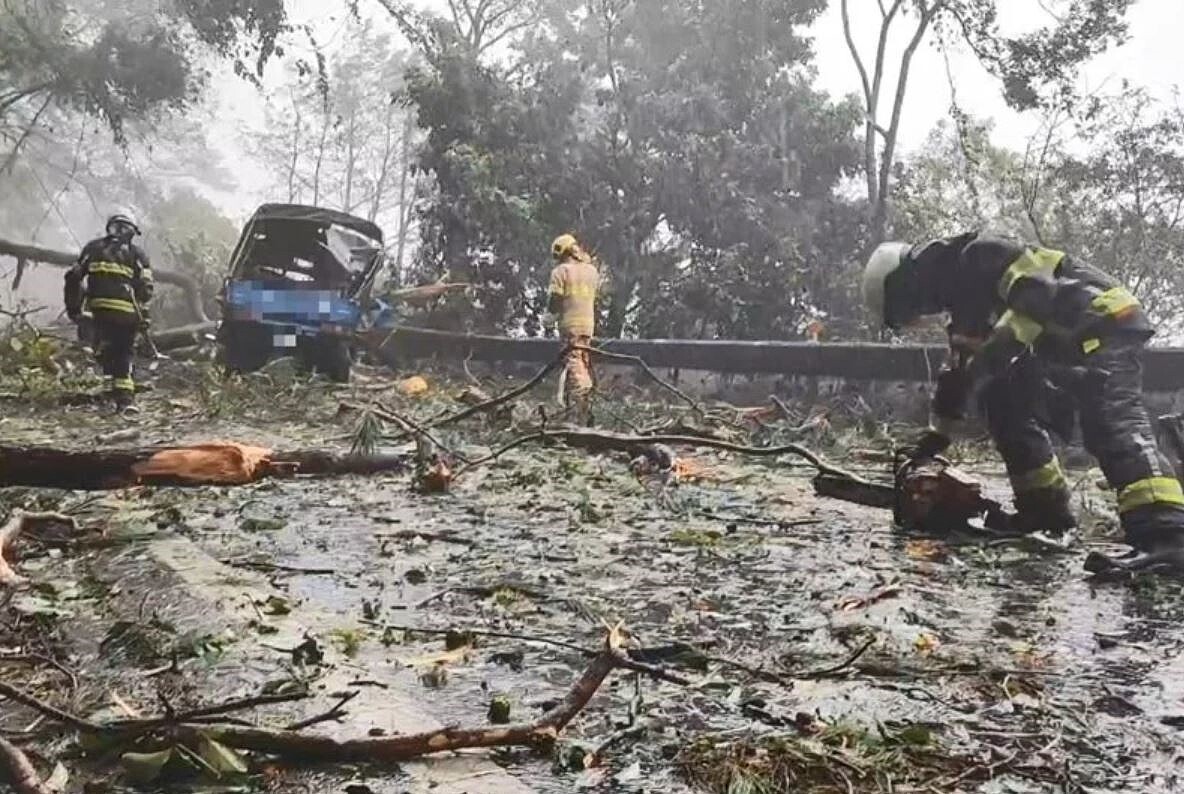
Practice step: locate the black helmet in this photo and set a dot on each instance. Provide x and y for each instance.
(120, 225)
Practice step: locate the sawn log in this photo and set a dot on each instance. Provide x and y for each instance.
(94, 470)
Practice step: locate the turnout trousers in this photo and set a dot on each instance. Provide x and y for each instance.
(577, 382)
(115, 344)
(1107, 392)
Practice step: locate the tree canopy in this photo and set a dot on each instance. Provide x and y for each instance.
(123, 59)
(683, 142)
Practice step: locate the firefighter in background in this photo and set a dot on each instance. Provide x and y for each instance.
(1043, 340)
(572, 299)
(113, 279)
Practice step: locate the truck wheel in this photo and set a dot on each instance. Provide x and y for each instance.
(329, 356)
(243, 347)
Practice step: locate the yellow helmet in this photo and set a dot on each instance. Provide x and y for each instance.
(564, 244)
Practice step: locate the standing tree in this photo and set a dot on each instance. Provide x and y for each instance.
(341, 136)
(1036, 69)
(119, 60)
(1114, 198)
(681, 141)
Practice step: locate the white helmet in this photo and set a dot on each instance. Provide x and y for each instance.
(880, 265)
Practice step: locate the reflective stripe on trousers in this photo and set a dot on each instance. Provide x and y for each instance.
(111, 305)
(1048, 476)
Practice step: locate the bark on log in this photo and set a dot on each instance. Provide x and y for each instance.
(16, 770)
(183, 335)
(859, 492)
(49, 256)
(96, 470)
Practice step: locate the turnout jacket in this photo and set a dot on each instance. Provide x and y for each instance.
(115, 280)
(1006, 299)
(573, 288)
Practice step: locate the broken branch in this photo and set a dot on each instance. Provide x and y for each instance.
(541, 732)
(53, 712)
(602, 440)
(414, 429)
(501, 399)
(640, 362)
(16, 769)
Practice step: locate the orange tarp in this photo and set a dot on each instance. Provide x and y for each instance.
(217, 463)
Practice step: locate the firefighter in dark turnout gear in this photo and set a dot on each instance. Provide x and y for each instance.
(1045, 342)
(113, 281)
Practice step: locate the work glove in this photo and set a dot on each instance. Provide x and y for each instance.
(74, 316)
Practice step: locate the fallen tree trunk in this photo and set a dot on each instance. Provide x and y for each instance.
(93, 470)
(183, 335)
(17, 525)
(49, 256)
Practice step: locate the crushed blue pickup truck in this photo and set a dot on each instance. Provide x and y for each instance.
(300, 284)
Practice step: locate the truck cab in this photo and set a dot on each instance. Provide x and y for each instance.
(298, 284)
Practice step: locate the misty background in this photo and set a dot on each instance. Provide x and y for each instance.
(730, 162)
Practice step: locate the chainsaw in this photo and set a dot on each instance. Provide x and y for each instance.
(934, 496)
(928, 495)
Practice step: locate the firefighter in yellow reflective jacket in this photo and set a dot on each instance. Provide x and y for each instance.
(1044, 341)
(113, 279)
(572, 299)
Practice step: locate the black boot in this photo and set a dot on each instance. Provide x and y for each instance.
(125, 402)
(1046, 510)
(1156, 535)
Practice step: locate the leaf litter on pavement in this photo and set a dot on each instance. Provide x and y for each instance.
(829, 652)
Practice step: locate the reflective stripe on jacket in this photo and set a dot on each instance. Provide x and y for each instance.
(1046, 293)
(118, 281)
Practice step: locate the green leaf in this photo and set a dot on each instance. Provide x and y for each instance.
(145, 767)
(221, 758)
(915, 736)
(277, 605)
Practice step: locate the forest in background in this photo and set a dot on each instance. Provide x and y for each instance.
(726, 194)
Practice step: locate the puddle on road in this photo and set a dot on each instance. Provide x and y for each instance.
(992, 647)
(1060, 655)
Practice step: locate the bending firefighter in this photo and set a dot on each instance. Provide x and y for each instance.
(118, 288)
(1044, 341)
(574, 282)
